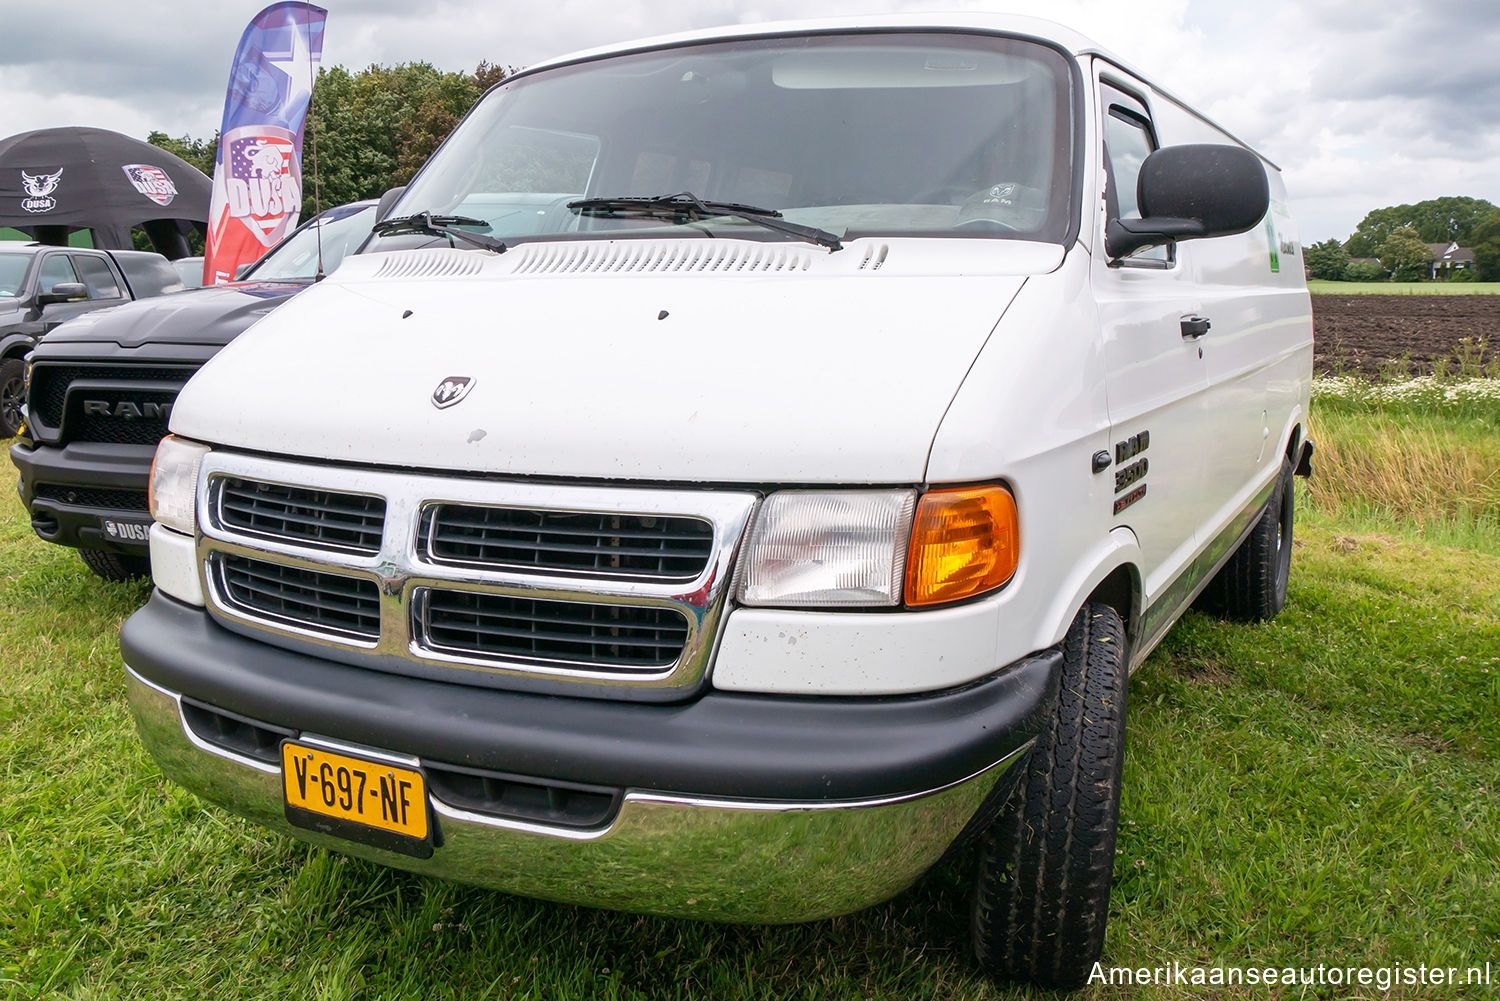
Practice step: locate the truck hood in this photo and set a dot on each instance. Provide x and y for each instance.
(698, 361)
(211, 316)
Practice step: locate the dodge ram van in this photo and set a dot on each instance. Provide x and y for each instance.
(740, 473)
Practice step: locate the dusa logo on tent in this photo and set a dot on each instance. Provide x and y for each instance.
(152, 182)
(40, 187)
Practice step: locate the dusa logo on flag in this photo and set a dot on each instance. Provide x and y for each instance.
(261, 189)
(152, 182)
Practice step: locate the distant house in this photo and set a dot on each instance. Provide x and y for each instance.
(1448, 258)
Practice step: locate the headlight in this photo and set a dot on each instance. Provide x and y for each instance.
(814, 548)
(173, 491)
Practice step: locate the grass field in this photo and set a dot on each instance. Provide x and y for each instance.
(1403, 288)
(1321, 789)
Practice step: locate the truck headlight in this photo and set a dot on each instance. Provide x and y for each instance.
(815, 548)
(173, 490)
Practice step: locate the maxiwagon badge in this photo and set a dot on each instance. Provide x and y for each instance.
(451, 390)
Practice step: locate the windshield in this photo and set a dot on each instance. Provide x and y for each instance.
(13, 274)
(870, 134)
(343, 228)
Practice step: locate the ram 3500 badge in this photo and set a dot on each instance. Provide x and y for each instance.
(850, 406)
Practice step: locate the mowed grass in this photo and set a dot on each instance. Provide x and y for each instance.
(1320, 287)
(1324, 788)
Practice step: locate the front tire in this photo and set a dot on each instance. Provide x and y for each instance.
(12, 395)
(115, 566)
(1251, 587)
(1041, 893)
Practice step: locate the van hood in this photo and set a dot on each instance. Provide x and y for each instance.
(211, 316)
(698, 361)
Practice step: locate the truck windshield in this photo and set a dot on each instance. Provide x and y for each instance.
(343, 228)
(857, 135)
(13, 274)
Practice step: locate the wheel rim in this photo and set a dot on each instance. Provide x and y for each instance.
(10, 402)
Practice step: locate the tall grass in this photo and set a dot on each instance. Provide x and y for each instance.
(1423, 454)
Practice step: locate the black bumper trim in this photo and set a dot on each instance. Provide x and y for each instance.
(84, 466)
(722, 744)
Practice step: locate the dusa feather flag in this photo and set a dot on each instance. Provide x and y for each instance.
(257, 192)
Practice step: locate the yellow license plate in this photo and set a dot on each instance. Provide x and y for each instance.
(373, 793)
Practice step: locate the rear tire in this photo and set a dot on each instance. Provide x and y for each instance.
(12, 395)
(1041, 893)
(1251, 587)
(115, 566)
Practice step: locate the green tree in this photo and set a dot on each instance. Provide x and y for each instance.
(371, 130)
(1405, 255)
(1486, 243)
(1326, 260)
(1437, 220)
(198, 152)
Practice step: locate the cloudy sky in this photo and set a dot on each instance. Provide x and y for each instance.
(1363, 103)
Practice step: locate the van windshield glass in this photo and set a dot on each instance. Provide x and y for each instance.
(12, 273)
(869, 134)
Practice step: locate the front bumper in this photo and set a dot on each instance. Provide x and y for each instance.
(98, 477)
(731, 807)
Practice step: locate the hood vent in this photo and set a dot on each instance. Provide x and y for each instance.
(875, 256)
(430, 264)
(721, 256)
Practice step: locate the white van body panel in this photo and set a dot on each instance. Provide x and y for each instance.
(837, 368)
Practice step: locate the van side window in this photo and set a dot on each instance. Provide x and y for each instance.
(1127, 143)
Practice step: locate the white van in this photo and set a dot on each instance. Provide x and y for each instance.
(741, 471)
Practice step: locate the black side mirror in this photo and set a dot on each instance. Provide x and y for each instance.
(63, 292)
(1191, 192)
(383, 207)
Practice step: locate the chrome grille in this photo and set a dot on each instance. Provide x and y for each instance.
(503, 583)
(498, 626)
(320, 519)
(307, 599)
(588, 544)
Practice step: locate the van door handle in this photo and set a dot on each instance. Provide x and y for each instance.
(1194, 327)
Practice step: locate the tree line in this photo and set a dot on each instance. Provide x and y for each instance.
(367, 131)
(1392, 243)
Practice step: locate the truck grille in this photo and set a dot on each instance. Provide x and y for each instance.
(627, 545)
(489, 582)
(320, 519)
(118, 500)
(56, 403)
(497, 626)
(308, 599)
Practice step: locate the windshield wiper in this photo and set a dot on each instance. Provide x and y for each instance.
(686, 205)
(440, 225)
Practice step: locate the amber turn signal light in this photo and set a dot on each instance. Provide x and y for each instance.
(964, 542)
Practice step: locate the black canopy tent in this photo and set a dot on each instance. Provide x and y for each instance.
(56, 181)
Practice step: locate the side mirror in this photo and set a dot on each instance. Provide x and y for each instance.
(63, 292)
(243, 269)
(1192, 192)
(383, 208)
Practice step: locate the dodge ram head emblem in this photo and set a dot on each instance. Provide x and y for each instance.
(451, 390)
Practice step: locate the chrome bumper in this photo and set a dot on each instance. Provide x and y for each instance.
(714, 859)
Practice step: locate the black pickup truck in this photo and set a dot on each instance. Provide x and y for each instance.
(42, 286)
(102, 387)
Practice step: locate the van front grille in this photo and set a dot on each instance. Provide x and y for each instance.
(324, 603)
(588, 544)
(494, 626)
(320, 519)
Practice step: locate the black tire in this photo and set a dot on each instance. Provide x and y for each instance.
(1251, 587)
(115, 566)
(1041, 893)
(12, 395)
